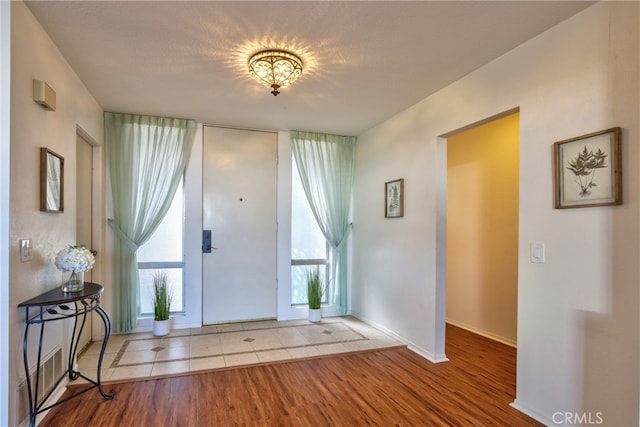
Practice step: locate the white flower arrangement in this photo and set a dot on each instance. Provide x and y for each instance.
(75, 258)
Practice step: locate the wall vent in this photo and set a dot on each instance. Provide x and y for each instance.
(50, 371)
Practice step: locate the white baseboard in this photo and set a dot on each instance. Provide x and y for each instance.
(427, 354)
(525, 409)
(410, 344)
(485, 334)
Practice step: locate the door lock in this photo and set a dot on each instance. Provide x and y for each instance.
(206, 242)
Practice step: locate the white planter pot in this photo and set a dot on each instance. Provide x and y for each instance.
(161, 327)
(315, 314)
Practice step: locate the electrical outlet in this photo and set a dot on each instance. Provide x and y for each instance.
(26, 249)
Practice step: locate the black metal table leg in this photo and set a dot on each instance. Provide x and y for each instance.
(107, 332)
(32, 415)
(75, 340)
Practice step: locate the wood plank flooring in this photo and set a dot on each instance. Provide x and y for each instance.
(388, 387)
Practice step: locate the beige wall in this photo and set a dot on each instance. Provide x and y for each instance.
(34, 56)
(482, 228)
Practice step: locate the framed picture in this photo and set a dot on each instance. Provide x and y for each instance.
(394, 198)
(588, 170)
(51, 181)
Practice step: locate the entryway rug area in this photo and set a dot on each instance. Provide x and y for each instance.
(223, 346)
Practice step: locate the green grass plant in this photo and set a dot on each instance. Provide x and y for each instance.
(315, 290)
(162, 296)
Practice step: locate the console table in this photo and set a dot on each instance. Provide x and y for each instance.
(57, 305)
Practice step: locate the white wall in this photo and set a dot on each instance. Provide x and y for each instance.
(34, 56)
(5, 100)
(193, 237)
(284, 309)
(577, 314)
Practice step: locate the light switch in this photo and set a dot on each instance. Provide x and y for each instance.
(26, 248)
(537, 252)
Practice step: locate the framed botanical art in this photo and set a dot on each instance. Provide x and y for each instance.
(588, 170)
(394, 198)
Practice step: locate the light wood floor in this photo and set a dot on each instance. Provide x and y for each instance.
(387, 387)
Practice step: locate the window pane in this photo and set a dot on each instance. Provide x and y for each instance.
(299, 283)
(164, 252)
(166, 242)
(307, 241)
(174, 280)
(308, 245)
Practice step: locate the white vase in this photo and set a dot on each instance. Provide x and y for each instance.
(161, 327)
(315, 314)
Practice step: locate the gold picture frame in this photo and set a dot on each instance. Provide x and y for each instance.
(394, 198)
(588, 170)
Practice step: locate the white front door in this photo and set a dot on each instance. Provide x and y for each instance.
(239, 207)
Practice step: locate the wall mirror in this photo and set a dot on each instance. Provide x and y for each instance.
(51, 181)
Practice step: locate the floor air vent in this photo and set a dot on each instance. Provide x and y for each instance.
(50, 371)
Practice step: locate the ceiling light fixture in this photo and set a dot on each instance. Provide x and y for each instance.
(275, 68)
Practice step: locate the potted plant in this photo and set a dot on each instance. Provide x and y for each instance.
(162, 296)
(315, 292)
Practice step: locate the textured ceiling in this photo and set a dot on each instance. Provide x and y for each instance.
(363, 61)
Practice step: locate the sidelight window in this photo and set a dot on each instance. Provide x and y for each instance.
(309, 248)
(164, 251)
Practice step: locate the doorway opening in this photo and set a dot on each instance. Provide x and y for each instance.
(482, 228)
(477, 233)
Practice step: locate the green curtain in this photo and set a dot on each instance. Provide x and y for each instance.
(326, 164)
(146, 159)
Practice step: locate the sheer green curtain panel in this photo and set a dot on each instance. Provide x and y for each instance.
(326, 165)
(146, 159)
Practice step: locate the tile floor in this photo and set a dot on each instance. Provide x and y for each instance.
(211, 347)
